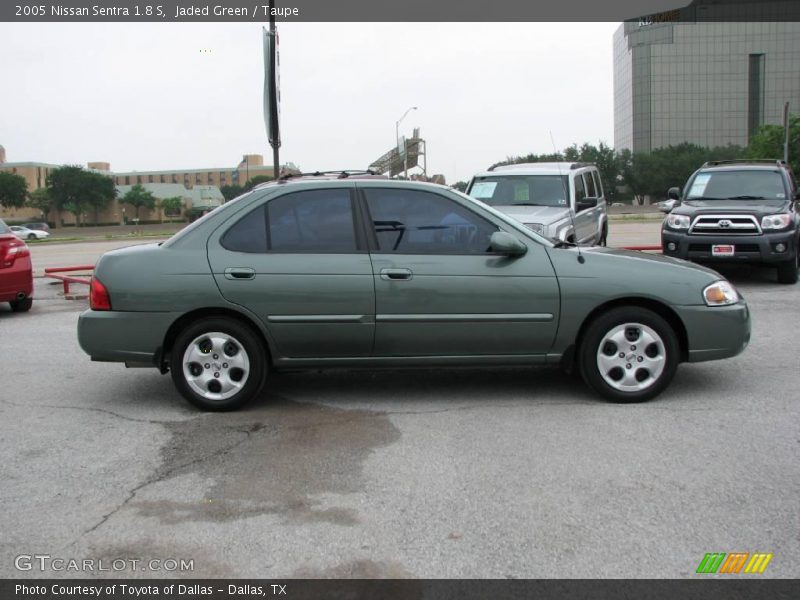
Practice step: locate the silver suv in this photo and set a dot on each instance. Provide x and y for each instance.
(559, 200)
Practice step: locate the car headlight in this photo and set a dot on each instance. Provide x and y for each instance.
(720, 293)
(537, 227)
(677, 221)
(780, 221)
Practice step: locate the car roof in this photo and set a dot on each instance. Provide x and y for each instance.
(361, 179)
(539, 168)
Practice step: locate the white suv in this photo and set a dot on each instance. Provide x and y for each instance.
(560, 200)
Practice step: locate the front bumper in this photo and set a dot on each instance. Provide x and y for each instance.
(119, 336)
(716, 332)
(748, 248)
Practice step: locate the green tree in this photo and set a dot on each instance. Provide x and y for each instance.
(138, 197)
(71, 190)
(13, 190)
(254, 181)
(172, 206)
(42, 201)
(461, 186)
(231, 191)
(100, 191)
(768, 142)
(652, 174)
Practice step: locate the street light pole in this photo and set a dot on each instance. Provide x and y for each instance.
(397, 137)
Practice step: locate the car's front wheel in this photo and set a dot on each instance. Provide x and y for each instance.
(218, 364)
(787, 271)
(31, 236)
(629, 354)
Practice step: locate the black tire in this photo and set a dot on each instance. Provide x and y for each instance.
(23, 305)
(31, 236)
(603, 236)
(244, 339)
(787, 271)
(663, 353)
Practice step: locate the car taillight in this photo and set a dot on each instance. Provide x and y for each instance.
(13, 251)
(98, 296)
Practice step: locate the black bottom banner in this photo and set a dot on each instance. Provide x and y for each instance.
(397, 589)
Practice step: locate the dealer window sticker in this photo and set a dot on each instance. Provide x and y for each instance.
(699, 184)
(483, 189)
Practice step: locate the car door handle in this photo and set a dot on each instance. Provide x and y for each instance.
(240, 273)
(396, 274)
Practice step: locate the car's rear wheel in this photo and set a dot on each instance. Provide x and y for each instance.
(629, 354)
(218, 364)
(23, 305)
(787, 271)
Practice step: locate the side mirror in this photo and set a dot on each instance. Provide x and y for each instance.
(674, 193)
(586, 203)
(505, 243)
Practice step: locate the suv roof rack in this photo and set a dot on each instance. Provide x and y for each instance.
(344, 174)
(744, 161)
(544, 164)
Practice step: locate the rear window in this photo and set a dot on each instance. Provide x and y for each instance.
(521, 190)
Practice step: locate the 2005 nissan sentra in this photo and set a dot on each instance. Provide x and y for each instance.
(352, 271)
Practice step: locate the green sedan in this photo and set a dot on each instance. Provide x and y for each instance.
(356, 271)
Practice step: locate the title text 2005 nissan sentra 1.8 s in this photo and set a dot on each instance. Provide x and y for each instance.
(348, 270)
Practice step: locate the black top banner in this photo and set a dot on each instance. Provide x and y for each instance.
(646, 12)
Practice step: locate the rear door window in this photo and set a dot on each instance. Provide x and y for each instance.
(598, 183)
(580, 189)
(590, 192)
(313, 222)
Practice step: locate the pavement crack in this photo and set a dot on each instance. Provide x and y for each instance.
(161, 476)
(247, 432)
(87, 408)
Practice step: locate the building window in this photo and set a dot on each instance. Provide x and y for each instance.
(755, 94)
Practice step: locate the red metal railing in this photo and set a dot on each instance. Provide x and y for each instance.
(67, 279)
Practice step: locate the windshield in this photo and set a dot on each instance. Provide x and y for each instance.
(737, 185)
(525, 190)
(3, 227)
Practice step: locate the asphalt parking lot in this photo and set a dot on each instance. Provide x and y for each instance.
(446, 473)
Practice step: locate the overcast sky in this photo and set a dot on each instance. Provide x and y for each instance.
(170, 96)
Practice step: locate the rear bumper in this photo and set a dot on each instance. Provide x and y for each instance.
(118, 336)
(748, 248)
(716, 332)
(16, 279)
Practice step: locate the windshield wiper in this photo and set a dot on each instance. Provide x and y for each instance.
(705, 198)
(746, 197)
(563, 244)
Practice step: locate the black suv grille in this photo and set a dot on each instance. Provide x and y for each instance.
(725, 225)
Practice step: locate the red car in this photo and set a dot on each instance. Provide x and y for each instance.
(16, 273)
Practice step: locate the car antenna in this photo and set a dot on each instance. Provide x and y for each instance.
(581, 259)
